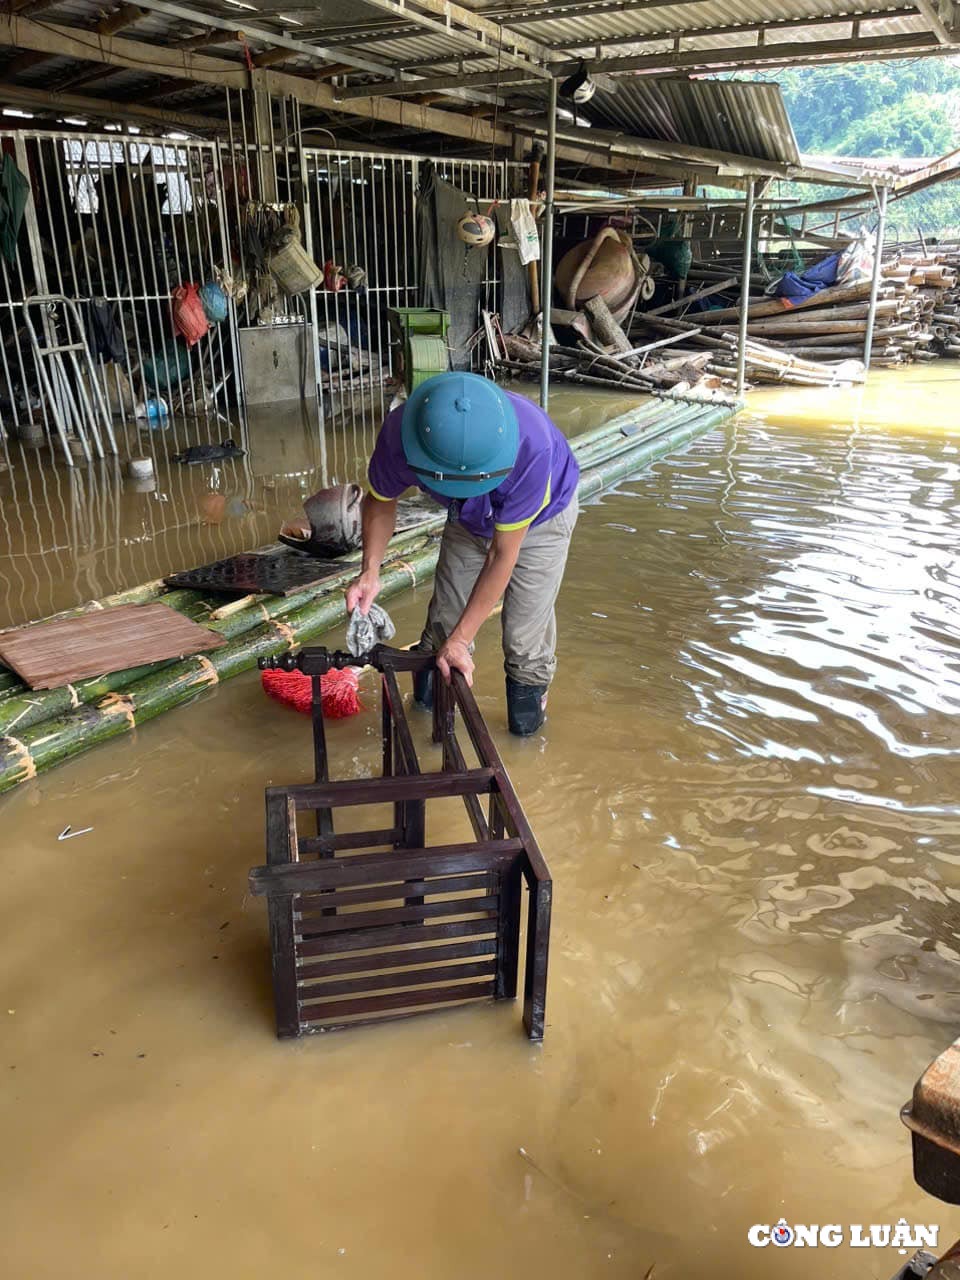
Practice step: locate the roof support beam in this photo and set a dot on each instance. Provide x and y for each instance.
(72, 103)
(125, 16)
(321, 52)
(783, 51)
(429, 84)
(932, 10)
(734, 29)
(135, 55)
(579, 9)
(640, 152)
(472, 31)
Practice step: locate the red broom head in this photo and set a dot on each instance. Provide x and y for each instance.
(339, 691)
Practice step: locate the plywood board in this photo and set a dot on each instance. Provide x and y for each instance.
(49, 655)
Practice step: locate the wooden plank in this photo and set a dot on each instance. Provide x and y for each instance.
(49, 655)
(508, 933)
(413, 955)
(280, 818)
(370, 922)
(332, 1009)
(486, 750)
(426, 786)
(401, 889)
(538, 949)
(349, 840)
(384, 982)
(393, 936)
(377, 868)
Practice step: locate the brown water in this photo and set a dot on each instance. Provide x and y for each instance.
(747, 797)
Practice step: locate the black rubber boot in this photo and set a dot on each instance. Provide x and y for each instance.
(423, 689)
(526, 707)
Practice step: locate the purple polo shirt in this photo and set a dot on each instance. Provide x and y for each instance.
(541, 484)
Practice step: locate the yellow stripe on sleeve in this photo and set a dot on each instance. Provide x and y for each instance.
(523, 524)
(379, 496)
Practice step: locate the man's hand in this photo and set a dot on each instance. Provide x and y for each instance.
(363, 591)
(454, 654)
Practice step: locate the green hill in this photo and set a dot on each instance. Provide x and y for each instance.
(875, 108)
(909, 109)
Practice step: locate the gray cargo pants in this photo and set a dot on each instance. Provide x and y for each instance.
(528, 621)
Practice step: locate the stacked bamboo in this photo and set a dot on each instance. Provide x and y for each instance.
(933, 277)
(917, 318)
(42, 728)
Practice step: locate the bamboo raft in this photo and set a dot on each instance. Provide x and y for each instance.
(40, 729)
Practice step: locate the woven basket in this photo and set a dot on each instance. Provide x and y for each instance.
(294, 269)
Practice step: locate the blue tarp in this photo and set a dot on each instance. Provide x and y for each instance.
(821, 275)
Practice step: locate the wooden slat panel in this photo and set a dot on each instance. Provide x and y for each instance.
(334, 1009)
(349, 840)
(393, 936)
(427, 786)
(401, 889)
(50, 655)
(410, 978)
(375, 868)
(434, 954)
(313, 926)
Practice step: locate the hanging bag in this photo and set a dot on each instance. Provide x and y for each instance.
(189, 318)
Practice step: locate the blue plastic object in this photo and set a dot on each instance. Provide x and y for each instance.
(460, 434)
(214, 302)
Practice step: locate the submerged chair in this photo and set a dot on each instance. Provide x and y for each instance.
(374, 925)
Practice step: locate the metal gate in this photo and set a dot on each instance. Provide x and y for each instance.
(116, 224)
(360, 215)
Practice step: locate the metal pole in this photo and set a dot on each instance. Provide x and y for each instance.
(745, 288)
(546, 278)
(875, 283)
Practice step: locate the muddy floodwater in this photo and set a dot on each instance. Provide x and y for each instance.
(747, 793)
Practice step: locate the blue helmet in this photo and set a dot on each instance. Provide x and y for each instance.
(460, 434)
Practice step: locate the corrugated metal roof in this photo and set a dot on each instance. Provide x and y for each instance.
(596, 23)
(746, 117)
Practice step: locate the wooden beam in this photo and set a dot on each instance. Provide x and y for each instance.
(125, 16)
(115, 51)
(805, 51)
(182, 64)
(428, 84)
(74, 103)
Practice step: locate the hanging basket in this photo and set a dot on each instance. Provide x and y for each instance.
(291, 265)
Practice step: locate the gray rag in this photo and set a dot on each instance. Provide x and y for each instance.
(366, 630)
